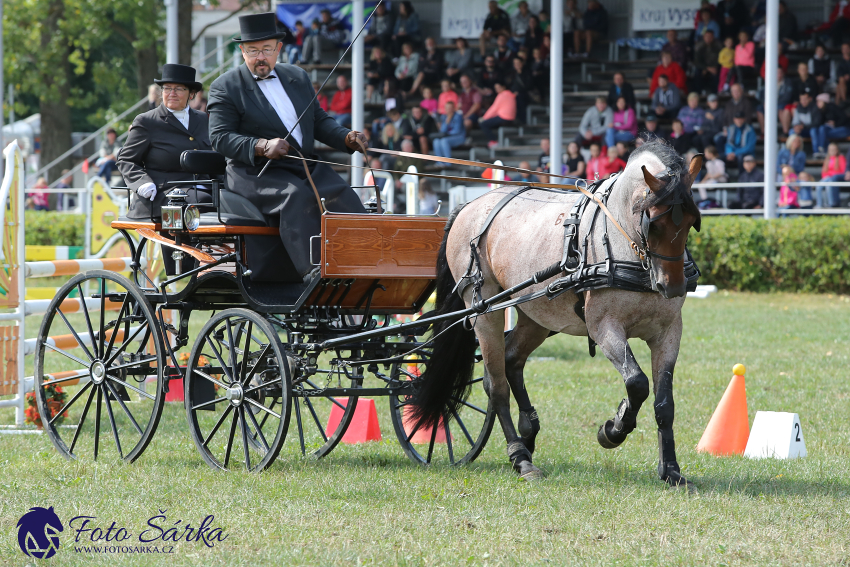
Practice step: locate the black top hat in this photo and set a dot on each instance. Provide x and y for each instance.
(180, 74)
(257, 27)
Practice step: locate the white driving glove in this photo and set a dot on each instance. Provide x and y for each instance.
(147, 191)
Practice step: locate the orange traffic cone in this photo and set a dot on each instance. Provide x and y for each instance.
(729, 427)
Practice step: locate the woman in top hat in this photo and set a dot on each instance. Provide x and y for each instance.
(151, 156)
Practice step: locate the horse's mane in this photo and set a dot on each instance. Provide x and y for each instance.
(678, 186)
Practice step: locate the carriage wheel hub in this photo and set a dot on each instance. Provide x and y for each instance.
(98, 372)
(235, 394)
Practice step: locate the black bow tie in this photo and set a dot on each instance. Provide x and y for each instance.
(272, 76)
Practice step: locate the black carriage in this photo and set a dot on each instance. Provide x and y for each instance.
(274, 345)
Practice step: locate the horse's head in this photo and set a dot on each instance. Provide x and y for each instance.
(667, 212)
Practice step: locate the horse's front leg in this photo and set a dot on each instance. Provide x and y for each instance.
(611, 337)
(665, 351)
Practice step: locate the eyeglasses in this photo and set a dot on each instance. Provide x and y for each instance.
(268, 52)
(178, 90)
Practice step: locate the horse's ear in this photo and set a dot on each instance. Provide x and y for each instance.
(696, 165)
(654, 183)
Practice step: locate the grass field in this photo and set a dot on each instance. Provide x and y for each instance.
(368, 504)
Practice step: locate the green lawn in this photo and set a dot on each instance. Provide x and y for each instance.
(368, 504)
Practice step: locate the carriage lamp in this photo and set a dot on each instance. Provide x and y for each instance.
(178, 215)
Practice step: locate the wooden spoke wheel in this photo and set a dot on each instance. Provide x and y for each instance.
(457, 440)
(99, 347)
(237, 391)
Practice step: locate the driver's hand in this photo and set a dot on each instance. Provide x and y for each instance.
(352, 139)
(276, 148)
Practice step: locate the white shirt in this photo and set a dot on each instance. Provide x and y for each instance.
(277, 97)
(181, 115)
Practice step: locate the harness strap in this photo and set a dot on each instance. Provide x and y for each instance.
(310, 179)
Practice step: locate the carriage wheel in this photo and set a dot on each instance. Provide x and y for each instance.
(322, 420)
(457, 440)
(237, 391)
(106, 355)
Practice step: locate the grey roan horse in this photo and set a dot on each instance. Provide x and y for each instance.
(526, 236)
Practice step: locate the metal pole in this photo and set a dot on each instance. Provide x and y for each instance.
(171, 32)
(771, 60)
(2, 141)
(556, 88)
(358, 85)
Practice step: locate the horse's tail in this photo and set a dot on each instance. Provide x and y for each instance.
(445, 382)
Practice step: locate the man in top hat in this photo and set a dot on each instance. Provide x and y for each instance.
(254, 117)
(151, 155)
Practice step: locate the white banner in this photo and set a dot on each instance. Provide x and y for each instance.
(650, 15)
(465, 18)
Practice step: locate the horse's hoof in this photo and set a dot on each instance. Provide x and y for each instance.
(671, 474)
(607, 437)
(530, 473)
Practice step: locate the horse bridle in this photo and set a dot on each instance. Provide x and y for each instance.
(676, 213)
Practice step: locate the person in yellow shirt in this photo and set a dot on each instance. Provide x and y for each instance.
(726, 59)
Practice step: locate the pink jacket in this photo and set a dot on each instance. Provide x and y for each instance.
(745, 55)
(504, 106)
(625, 120)
(835, 165)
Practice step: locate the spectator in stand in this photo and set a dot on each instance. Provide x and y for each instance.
(372, 96)
(37, 200)
(821, 67)
(667, 98)
(792, 154)
(614, 164)
(738, 103)
(543, 158)
(692, 117)
(380, 67)
(540, 73)
(381, 28)
(672, 70)
(419, 128)
(680, 139)
(653, 130)
(326, 34)
(621, 88)
(726, 60)
(623, 151)
(713, 124)
(406, 28)
(838, 25)
(783, 62)
(520, 23)
(715, 171)
(832, 125)
(321, 99)
(392, 98)
(677, 49)
(470, 103)
(200, 101)
(745, 60)
(574, 166)
(452, 131)
(572, 22)
(521, 87)
(788, 192)
(749, 197)
(833, 169)
(545, 23)
(706, 23)
(446, 95)
(293, 50)
(490, 75)
(403, 162)
(842, 74)
(429, 103)
(496, 23)
(732, 16)
(106, 161)
(788, 30)
(503, 55)
(459, 61)
(740, 140)
(522, 176)
(341, 102)
(533, 35)
(154, 96)
(390, 139)
(705, 60)
(806, 114)
(432, 68)
(805, 81)
(500, 113)
(597, 165)
(624, 125)
(786, 99)
(407, 68)
(595, 122)
(594, 26)
(546, 46)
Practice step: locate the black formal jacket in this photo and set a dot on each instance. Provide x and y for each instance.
(152, 154)
(240, 114)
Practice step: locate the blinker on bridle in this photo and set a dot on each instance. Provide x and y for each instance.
(676, 215)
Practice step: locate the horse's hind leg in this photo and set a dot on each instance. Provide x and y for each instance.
(520, 343)
(612, 339)
(490, 332)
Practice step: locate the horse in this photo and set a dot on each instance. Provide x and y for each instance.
(652, 202)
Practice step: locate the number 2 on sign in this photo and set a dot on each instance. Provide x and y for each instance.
(797, 428)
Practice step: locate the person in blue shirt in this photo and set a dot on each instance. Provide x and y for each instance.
(406, 29)
(792, 154)
(452, 131)
(740, 140)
